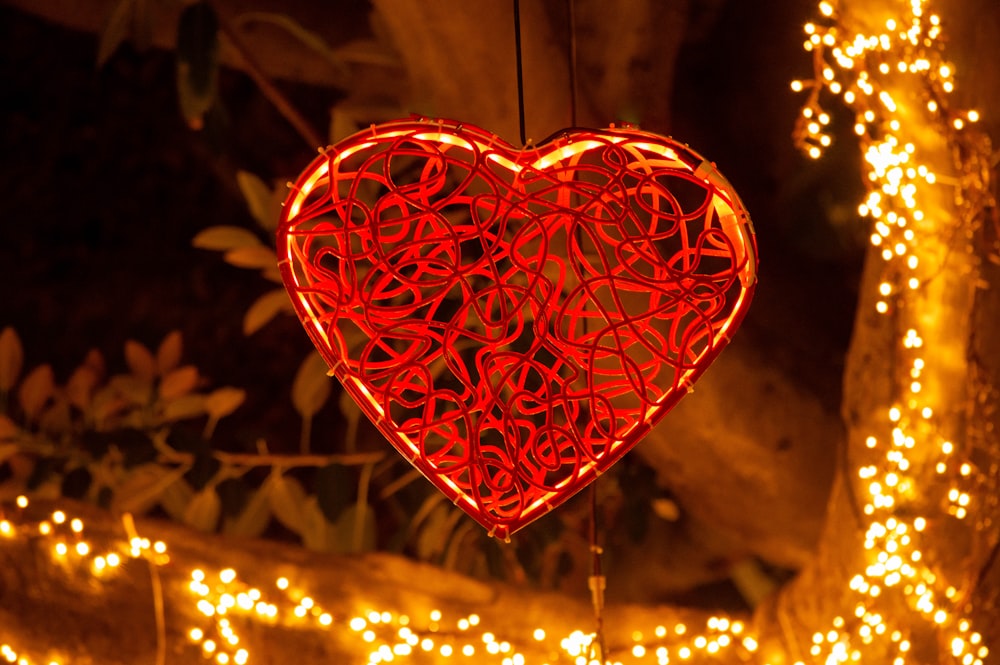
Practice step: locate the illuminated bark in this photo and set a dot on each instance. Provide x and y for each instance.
(56, 608)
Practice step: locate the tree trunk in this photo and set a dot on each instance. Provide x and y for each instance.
(920, 407)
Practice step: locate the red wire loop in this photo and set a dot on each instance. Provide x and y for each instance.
(515, 321)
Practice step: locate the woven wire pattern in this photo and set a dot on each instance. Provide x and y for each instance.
(515, 321)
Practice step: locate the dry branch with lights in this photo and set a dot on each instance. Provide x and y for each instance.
(229, 602)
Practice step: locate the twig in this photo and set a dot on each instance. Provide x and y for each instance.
(128, 523)
(286, 461)
(275, 96)
(360, 515)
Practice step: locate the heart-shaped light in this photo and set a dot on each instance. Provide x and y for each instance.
(514, 321)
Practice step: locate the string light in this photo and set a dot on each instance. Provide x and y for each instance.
(225, 600)
(865, 71)
(903, 506)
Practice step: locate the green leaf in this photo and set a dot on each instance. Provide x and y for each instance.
(116, 30)
(258, 257)
(11, 358)
(223, 401)
(260, 200)
(220, 403)
(253, 520)
(266, 308)
(184, 407)
(197, 61)
(336, 488)
(175, 499)
(9, 431)
(7, 450)
(752, 581)
(287, 500)
(433, 535)
(80, 386)
(140, 361)
(178, 382)
(132, 389)
(144, 486)
(311, 387)
(368, 52)
(343, 123)
(352, 414)
(202, 513)
(36, 390)
(307, 37)
(56, 418)
(346, 528)
(317, 533)
(222, 238)
(107, 402)
(168, 355)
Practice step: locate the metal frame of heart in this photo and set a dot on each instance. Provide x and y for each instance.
(515, 320)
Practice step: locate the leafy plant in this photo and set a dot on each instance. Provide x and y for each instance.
(146, 456)
(88, 436)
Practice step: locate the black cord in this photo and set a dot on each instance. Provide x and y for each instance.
(520, 74)
(597, 581)
(571, 18)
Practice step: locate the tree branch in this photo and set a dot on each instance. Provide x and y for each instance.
(267, 88)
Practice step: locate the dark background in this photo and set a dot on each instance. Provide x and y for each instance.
(103, 186)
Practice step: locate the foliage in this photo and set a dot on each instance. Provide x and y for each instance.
(141, 440)
(97, 436)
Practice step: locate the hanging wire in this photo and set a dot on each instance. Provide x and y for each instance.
(597, 582)
(520, 73)
(571, 17)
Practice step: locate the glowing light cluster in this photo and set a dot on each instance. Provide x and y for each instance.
(69, 547)
(877, 76)
(228, 605)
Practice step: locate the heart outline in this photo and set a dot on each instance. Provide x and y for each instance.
(328, 294)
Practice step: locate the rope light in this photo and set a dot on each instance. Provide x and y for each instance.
(514, 321)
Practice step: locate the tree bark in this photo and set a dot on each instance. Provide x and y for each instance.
(955, 302)
(54, 607)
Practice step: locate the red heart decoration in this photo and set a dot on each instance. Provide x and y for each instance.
(514, 321)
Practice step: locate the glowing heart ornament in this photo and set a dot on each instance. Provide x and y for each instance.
(514, 321)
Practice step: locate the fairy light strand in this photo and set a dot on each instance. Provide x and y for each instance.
(857, 69)
(865, 71)
(225, 603)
